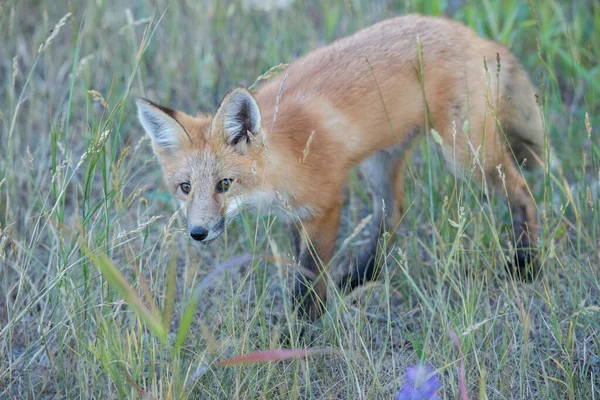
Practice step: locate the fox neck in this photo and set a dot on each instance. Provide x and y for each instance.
(267, 168)
(273, 190)
(270, 193)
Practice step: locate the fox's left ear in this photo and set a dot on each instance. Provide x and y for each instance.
(239, 118)
(160, 123)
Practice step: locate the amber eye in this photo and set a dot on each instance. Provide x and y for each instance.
(185, 187)
(224, 185)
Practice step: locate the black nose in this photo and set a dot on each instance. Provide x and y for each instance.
(199, 233)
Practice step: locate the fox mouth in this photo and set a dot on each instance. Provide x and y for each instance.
(209, 240)
(215, 233)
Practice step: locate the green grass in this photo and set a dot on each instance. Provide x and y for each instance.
(83, 213)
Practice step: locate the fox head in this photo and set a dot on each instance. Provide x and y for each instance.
(209, 162)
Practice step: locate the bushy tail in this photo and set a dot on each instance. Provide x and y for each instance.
(523, 122)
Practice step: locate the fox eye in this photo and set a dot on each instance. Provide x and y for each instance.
(224, 185)
(185, 187)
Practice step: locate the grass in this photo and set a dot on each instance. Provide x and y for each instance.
(83, 215)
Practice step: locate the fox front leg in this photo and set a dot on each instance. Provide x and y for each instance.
(316, 238)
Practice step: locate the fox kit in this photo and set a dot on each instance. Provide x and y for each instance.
(361, 101)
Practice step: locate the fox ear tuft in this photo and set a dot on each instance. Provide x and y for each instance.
(161, 125)
(239, 115)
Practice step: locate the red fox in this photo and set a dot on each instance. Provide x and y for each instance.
(361, 101)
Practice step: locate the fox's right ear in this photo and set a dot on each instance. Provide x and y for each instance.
(161, 125)
(238, 118)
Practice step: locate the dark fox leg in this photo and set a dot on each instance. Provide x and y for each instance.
(525, 227)
(500, 173)
(384, 172)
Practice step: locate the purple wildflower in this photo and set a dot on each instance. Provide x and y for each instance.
(421, 384)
